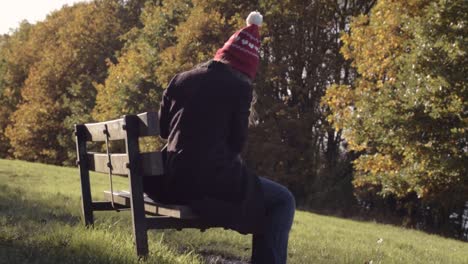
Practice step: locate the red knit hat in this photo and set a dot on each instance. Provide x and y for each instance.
(242, 49)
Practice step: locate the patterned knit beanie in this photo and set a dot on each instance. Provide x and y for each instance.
(242, 49)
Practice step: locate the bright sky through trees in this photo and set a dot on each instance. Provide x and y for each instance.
(13, 12)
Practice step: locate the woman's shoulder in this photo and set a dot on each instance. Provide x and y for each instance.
(197, 70)
(235, 74)
(188, 76)
(216, 72)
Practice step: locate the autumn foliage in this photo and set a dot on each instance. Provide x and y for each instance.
(406, 113)
(361, 99)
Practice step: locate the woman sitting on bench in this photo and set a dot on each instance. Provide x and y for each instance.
(204, 114)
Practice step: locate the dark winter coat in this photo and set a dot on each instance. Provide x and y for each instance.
(204, 115)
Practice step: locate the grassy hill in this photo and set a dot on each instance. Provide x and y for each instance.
(40, 223)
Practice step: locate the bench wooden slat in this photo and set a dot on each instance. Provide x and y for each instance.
(148, 125)
(107, 206)
(114, 128)
(152, 207)
(150, 163)
(98, 162)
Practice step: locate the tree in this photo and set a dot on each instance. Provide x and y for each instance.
(15, 60)
(3, 110)
(132, 85)
(300, 57)
(71, 48)
(207, 26)
(407, 113)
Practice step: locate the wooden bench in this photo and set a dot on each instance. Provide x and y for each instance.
(146, 214)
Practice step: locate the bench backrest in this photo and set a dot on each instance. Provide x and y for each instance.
(128, 128)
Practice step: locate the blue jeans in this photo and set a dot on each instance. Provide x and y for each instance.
(272, 246)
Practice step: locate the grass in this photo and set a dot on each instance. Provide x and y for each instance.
(40, 223)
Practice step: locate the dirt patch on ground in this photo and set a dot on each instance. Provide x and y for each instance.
(215, 259)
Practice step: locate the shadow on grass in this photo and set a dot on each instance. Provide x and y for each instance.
(16, 204)
(49, 252)
(42, 229)
(88, 252)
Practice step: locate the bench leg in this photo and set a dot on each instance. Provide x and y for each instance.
(140, 231)
(82, 162)
(86, 200)
(136, 187)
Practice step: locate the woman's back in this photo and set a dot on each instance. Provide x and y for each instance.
(204, 116)
(199, 110)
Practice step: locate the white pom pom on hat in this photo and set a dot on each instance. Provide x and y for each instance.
(254, 18)
(242, 50)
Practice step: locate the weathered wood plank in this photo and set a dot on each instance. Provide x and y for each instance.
(82, 162)
(98, 162)
(152, 207)
(107, 206)
(115, 130)
(149, 164)
(140, 231)
(147, 123)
